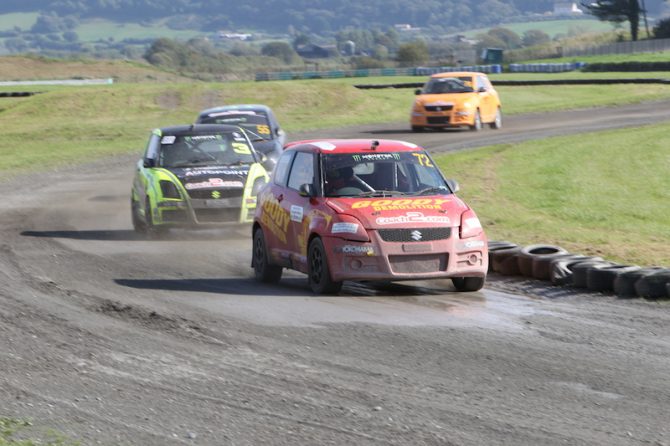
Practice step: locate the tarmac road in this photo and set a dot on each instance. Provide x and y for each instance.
(115, 340)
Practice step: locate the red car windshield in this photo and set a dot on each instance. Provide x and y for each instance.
(381, 174)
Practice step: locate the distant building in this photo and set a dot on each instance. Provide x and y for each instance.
(312, 51)
(563, 8)
(233, 36)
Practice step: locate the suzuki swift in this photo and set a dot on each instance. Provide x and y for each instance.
(365, 210)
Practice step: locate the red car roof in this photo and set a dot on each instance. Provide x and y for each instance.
(353, 145)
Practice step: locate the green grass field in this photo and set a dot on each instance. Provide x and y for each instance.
(660, 56)
(590, 193)
(604, 193)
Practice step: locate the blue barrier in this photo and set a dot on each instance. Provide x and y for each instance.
(545, 67)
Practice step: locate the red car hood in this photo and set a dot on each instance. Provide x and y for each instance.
(396, 212)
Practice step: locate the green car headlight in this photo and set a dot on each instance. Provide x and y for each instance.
(169, 190)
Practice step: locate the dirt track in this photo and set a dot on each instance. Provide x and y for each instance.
(114, 340)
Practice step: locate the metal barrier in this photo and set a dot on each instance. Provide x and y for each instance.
(333, 74)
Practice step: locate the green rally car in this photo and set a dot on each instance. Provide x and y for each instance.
(198, 175)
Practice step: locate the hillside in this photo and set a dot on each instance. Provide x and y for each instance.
(314, 16)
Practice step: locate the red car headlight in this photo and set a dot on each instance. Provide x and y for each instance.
(470, 225)
(349, 228)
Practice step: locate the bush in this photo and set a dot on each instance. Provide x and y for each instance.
(662, 29)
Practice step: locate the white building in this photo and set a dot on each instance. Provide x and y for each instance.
(566, 8)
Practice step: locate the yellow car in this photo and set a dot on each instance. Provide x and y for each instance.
(456, 99)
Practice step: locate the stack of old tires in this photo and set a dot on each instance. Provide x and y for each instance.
(561, 268)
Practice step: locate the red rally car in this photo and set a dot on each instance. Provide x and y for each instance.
(367, 211)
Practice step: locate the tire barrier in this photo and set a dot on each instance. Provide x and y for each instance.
(498, 245)
(561, 268)
(504, 261)
(542, 265)
(580, 271)
(593, 273)
(531, 252)
(17, 94)
(624, 283)
(602, 279)
(654, 286)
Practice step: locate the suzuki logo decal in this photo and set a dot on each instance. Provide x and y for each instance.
(216, 194)
(416, 235)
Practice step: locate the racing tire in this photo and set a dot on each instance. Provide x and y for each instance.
(468, 284)
(581, 270)
(561, 268)
(497, 121)
(602, 279)
(530, 252)
(264, 271)
(542, 265)
(654, 286)
(477, 124)
(152, 231)
(318, 272)
(139, 226)
(504, 261)
(624, 283)
(417, 129)
(496, 246)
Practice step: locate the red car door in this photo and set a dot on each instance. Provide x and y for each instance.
(298, 205)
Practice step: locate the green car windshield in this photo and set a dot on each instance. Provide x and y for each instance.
(381, 174)
(204, 150)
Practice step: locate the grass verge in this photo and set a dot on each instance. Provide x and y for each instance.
(11, 429)
(603, 193)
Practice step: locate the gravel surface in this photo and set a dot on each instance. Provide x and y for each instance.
(115, 340)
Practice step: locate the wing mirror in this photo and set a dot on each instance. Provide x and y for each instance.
(417, 91)
(453, 185)
(149, 162)
(306, 190)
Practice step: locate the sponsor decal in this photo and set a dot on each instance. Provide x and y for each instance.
(376, 157)
(413, 217)
(232, 112)
(241, 148)
(212, 183)
(197, 172)
(202, 137)
(168, 139)
(472, 244)
(324, 145)
(358, 250)
(401, 205)
(296, 213)
(344, 228)
(275, 219)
